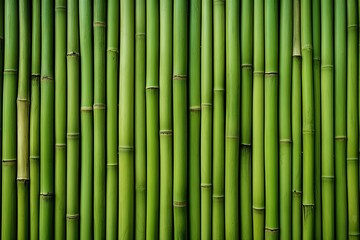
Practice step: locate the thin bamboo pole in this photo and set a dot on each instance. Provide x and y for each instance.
(2, 19)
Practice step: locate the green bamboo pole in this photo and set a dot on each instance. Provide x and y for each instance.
(152, 118)
(206, 115)
(285, 138)
(23, 113)
(296, 126)
(99, 23)
(47, 104)
(126, 123)
(308, 200)
(86, 115)
(218, 207)
(1, 80)
(352, 120)
(258, 193)
(340, 119)
(232, 119)
(73, 122)
(35, 122)
(327, 121)
(271, 120)
(180, 71)
(60, 119)
(317, 108)
(166, 136)
(140, 122)
(194, 118)
(112, 64)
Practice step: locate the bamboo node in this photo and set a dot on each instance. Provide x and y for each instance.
(311, 205)
(126, 148)
(308, 131)
(194, 108)
(297, 193)
(260, 73)
(73, 135)
(258, 209)
(245, 145)
(152, 87)
(328, 178)
(35, 76)
(86, 108)
(22, 100)
(219, 198)
(285, 140)
(307, 47)
(140, 35)
(231, 137)
(34, 157)
(99, 24)
(112, 49)
(352, 27)
(247, 66)
(24, 180)
(10, 71)
(219, 1)
(316, 59)
(354, 234)
(327, 66)
(340, 138)
(296, 55)
(9, 160)
(206, 105)
(73, 54)
(351, 159)
(270, 229)
(60, 145)
(46, 195)
(100, 106)
(180, 204)
(180, 77)
(166, 132)
(60, 8)
(112, 164)
(47, 78)
(271, 74)
(206, 185)
(72, 216)
(219, 89)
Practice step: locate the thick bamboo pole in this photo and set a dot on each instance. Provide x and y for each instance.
(126, 123)
(60, 119)
(180, 118)
(166, 133)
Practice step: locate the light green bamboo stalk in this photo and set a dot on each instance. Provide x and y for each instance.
(87, 100)
(232, 118)
(180, 71)
(340, 119)
(73, 122)
(327, 121)
(218, 207)
(2, 5)
(140, 122)
(60, 119)
(23, 107)
(47, 104)
(166, 136)
(271, 120)
(296, 126)
(112, 64)
(194, 118)
(285, 137)
(35, 121)
(99, 23)
(126, 123)
(152, 118)
(206, 115)
(258, 172)
(352, 119)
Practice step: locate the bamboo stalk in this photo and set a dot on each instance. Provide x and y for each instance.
(166, 133)
(285, 137)
(258, 172)
(126, 125)
(327, 121)
(2, 19)
(271, 120)
(180, 118)
(218, 207)
(46, 223)
(232, 118)
(35, 121)
(340, 119)
(194, 118)
(296, 126)
(99, 33)
(112, 64)
(73, 122)
(60, 119)
(352, 119)
(206, 115)
(140, 122)
(23, 102)
(86, 115)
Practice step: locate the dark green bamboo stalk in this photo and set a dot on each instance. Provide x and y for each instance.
(35, 121)
(271, 119)
(60, 119)
(180, 71)
(99, 23)
(258, 173)
(140, 122)
(327, 121)
(206, 115)
(285, 141)
(352, 119)
(87, 100)
(340, 119)
(166, 136)
(112, 64)
(232, 118)
(126, 123)
(47, 104)
(152, 118)
(2, 5)
(23, 105)
(296, 125)
(73, 122)
(218, 207)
